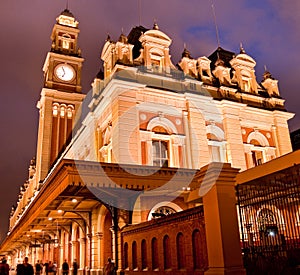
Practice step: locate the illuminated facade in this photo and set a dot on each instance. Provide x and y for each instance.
(152, 132)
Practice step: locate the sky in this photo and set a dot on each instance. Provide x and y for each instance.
(268, 29)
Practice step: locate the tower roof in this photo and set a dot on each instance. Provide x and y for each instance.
(186, 53)
(221, 54)
(133, 38)
(67, 18)
(66, 12)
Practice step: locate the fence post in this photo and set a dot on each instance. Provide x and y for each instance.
(217, 182)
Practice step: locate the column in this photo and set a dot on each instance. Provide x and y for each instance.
(82, 250)
(88, 251)
(73, 250)
(99, 239)
(187, 152)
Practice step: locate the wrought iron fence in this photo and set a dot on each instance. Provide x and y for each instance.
(269, 216)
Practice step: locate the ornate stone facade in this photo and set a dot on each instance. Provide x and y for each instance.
(157, 139)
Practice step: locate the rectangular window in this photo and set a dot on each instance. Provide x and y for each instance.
(214, 153)
(257, 157)
(160, 153)
(65, 44)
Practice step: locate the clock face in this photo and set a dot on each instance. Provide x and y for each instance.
(64, 72)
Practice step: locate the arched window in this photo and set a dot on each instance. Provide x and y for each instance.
(180, 251)
(144, 255)
(258, 149)
(165, 150)
(197, 251)
(162, 209)
(66, 41)
(106, 149)
(266, 221)
(167, 252)
(126, 255)
(162, 212)
(216, 143)
(246, 81)
(154, 252)
(134, 256)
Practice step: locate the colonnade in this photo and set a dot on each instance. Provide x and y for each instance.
(88, 244)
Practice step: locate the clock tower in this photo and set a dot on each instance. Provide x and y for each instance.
(61, 95)
(62, 68)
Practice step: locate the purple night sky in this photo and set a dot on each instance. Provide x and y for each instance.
(269, 31)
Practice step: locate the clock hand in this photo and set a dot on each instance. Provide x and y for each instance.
(63, 71)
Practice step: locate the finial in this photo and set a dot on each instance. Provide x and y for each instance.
(186, 52)
(184, 45)
(108, 37)
(155, 25)
(122, 30)
(140, 12)
(123, 38)
(267, 74)
(242, 50)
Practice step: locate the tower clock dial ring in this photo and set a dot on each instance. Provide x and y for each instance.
(64, 72)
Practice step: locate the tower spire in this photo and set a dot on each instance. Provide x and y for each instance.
(215, 21)
(242, 50)
(140, 12)
(155, 25)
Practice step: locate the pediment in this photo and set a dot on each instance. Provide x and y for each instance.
(246, 58)
(158, 34)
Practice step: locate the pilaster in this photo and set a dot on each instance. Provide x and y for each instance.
(221, 223)
(233, 134)
(281, 132)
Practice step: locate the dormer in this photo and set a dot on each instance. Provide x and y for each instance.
(243, 66)
(187, 64)
(270, 84)
(222, 73)
(204, 70)
(108, 56)
(124, 50)
(154, 54)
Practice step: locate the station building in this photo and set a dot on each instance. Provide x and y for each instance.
(145, 172)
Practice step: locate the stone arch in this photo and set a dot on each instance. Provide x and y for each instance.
(75, 228)
(106, 229)
(215, 130)
(259, 137)
(164, 122)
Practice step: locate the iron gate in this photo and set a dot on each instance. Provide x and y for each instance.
(269, 217)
